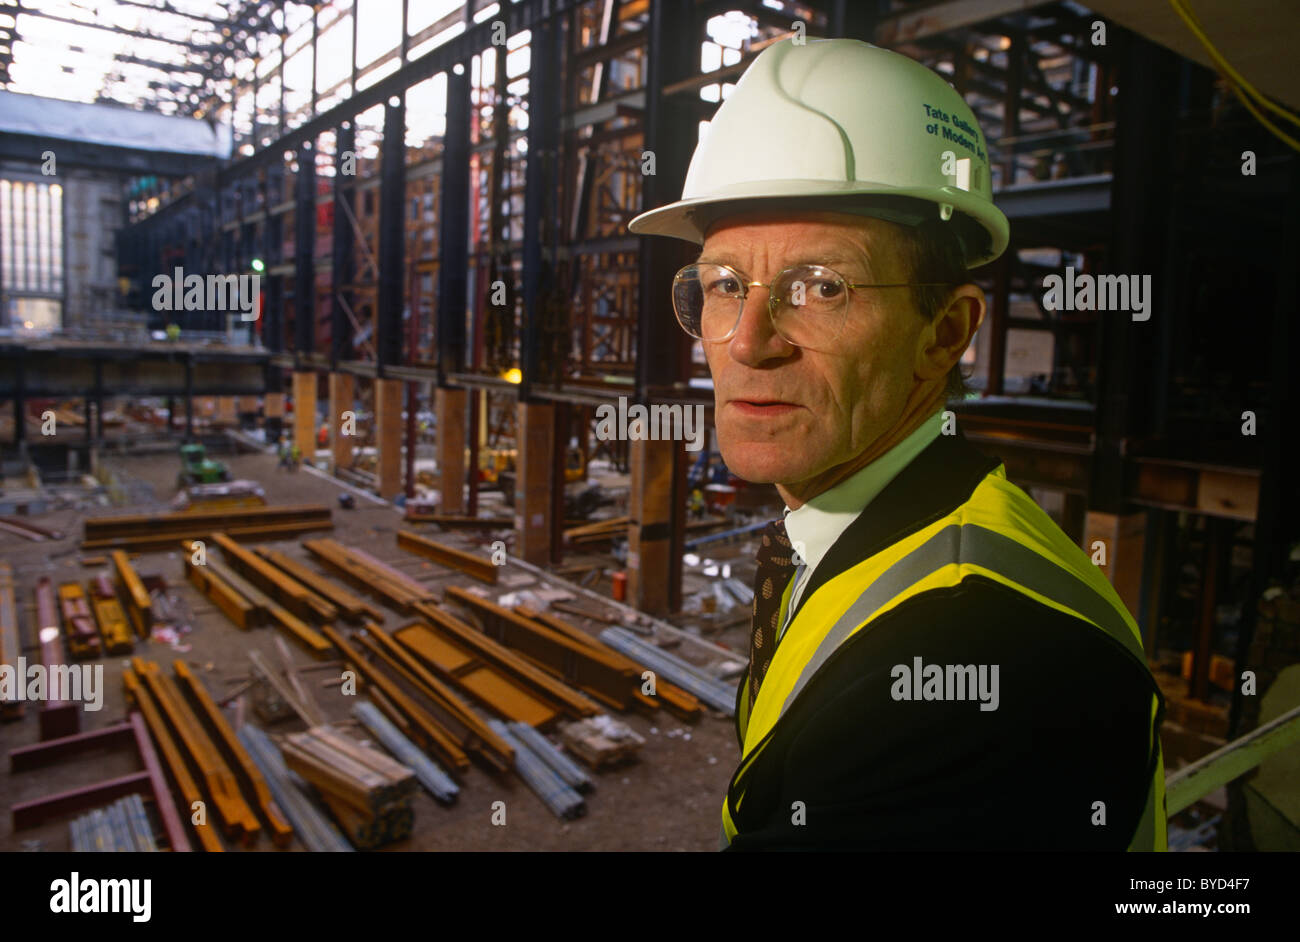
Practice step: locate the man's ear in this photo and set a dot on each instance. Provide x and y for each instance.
(945, 339)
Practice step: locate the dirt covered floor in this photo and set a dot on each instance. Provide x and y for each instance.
(667, 800)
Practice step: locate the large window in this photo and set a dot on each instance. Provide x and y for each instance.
(31, 254)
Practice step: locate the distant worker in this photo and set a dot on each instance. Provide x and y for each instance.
(295, 456)
(933, 663)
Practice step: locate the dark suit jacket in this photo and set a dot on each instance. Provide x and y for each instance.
(873, 773)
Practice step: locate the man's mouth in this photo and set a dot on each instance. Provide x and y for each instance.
(763, 408)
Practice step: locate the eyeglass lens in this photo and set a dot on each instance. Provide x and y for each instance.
(807, 302)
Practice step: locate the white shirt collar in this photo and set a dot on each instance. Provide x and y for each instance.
(819, 523)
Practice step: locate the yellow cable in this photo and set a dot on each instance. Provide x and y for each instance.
(1259, 116)
(1250, 96)
(1180, 6)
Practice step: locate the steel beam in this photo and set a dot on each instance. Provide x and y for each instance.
(160, 163)
(939, 18)
(525, 15)
(855, 19)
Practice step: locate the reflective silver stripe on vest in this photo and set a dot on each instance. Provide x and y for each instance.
(979, 546)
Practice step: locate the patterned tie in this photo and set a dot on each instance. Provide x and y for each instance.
(775, 565)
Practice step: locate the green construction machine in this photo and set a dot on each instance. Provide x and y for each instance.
(197, 468)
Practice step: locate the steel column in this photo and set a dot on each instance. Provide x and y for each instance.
(273, 333)
(543, 122)
(304, 249)
(1144, 136)
(392, 236)
(453, 228)
(343, 267)
(670, 131)
(20, 405)
(189, 398)
(656, 532)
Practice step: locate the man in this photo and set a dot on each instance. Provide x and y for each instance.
(933, 663)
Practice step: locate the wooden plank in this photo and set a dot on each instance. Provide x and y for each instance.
(476, 566)
(450, 407)
(534, 486)
(656, 578)
(388, 436)
(341, 399)
(334, 772)
(305, 384)
(308, 711)
(1225, 494)
(603, 529)
(305, 696)
(402, 778)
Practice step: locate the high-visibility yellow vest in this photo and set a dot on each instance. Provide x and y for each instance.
(998, 533)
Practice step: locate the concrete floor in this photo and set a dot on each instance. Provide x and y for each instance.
(667, 800)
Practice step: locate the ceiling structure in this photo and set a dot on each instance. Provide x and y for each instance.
(1257, 37)
(238, 60)
(175, 57)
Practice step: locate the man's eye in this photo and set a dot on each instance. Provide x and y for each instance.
(724, 286)
(825, 290)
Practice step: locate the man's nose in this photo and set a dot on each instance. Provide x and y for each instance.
(756, 340)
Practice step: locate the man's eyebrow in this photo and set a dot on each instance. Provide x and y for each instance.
(838, 260)
(833, 258)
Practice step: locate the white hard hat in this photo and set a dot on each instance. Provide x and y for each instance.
(840, 124)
